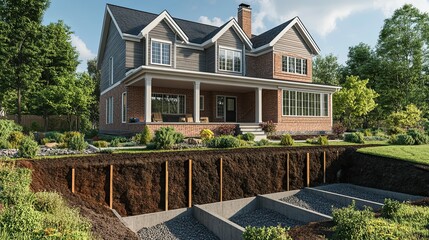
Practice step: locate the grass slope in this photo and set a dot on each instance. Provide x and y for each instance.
(415, 154)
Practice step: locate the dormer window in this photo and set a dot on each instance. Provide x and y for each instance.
(229, 60)
(161, 52)
(294, 65)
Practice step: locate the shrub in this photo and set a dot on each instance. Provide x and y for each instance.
(100, 144)
(248, 137)
(313, 140)
(287, 140)
(56, 136)
(77, 142)
(6, 127)
(404, 139)
(4, 144)
(350, 223)
(268, 127)
(115, 142)
(266, 233)
(146, 136)
(15, 139)
(206, 134)
(263, 142)
(419, 136)
(356, 137)
(225, 142)
(409, 118)
(323, 140)
(166, 137)
(338, 129)
(395, 130)
(28, 148)
(367, 132)
(225, 130)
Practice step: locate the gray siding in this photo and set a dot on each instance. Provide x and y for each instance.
(190, 59)
(134, 54)
(211, 59)
(230, 39)
(162, 32)
(115, 47)
(292, 42)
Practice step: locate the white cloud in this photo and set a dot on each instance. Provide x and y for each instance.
(85, 53)
(321, 16)
(215, 21)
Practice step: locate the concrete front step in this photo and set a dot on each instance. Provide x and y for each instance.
(255, 129)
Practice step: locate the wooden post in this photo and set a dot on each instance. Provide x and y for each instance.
(73, 181)
(166, 185)
(324, 167)
(221, 176)
(111, 188)
(308, 169)
(190, 184)
(287, 172)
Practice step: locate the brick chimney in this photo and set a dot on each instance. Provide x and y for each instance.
(245, 18)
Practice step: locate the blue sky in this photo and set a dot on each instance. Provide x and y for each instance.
(334, 24)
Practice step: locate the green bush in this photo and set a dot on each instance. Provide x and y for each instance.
(6, 127)
(395, 131)
(419, 136)
(367, 132)
(323, 140)
(115, 142)
(15, 185)
(356, 137)
(146, 136)
(22, 218)
(77, 142)
(28, 148)
(263, 142)
(56, 136)
(350, 223)
(248, 137)
(166, 137)
(313, 140)
(4, 144)
(403, 139)
(206, 135)
(266, 233)
(225, 142)
(100, 144)
(15, 139)
(287, 140)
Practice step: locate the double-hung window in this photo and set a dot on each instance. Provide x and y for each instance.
(298, 103)
(161, 53)
(294, 65)
(229, 60)
(109, 110)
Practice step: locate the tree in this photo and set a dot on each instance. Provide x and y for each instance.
(362, 61)
(326, 70)
(19, 40)
(59, 62)
(402, 47)
(353, 101)
(411, 117)
(95, 75)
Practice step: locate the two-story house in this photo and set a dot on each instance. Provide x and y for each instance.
(157, 70)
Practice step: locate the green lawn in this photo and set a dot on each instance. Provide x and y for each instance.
(415, 154)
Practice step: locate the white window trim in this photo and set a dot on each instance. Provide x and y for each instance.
(202, 103)
(184, 105)
(151, 51)
(124, 117)
(230, 49)
(111, 67)
(302, 65)
(108, 108)
(296, 105)
(224, 107)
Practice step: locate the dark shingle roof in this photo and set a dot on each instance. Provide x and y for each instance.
(132, 21)
(269, 35)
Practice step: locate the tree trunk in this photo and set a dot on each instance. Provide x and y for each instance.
(18, 103)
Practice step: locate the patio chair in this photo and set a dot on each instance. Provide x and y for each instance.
(157, 117)
(189, 118)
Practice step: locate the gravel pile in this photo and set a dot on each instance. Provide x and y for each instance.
(10, 153)
(45, 151)
(311, 201)
(182, 228)
(264, 217)
(353, 191)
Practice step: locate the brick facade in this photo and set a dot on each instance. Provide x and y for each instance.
(279, 74)
(260, 66)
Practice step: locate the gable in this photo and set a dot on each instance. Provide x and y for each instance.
(293, 42)
(230, 39)
(163, 31)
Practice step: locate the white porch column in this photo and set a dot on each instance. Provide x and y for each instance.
(197, 101)
(258, 105)
(148, 99)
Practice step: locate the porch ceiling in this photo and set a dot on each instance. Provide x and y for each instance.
(190, 85)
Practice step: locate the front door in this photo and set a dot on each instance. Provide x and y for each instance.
(231, 109)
